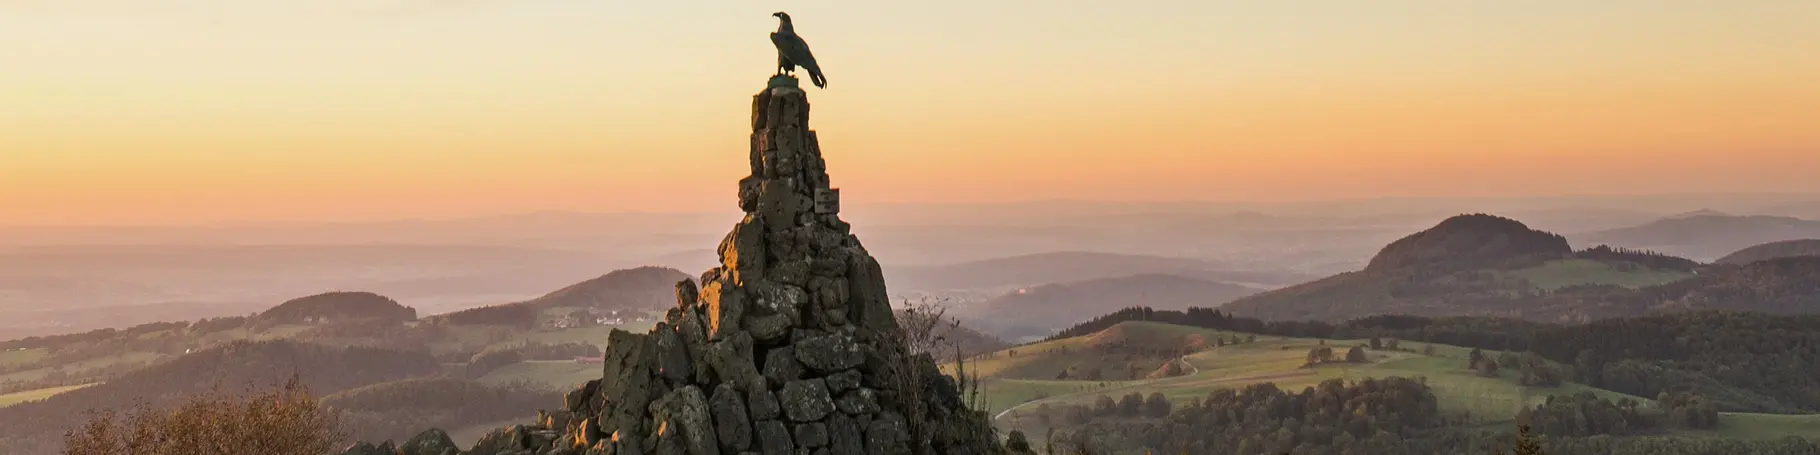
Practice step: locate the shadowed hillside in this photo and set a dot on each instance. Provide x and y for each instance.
(1773, 250)
(638, 289)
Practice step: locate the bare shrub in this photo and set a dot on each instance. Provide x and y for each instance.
(285, 421)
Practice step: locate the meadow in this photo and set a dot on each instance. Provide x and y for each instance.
(1464, 396)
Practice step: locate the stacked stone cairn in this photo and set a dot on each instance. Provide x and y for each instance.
(789, 347)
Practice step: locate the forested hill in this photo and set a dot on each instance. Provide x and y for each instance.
(1773, 250)
(338, 306)
(1470, 241)
(1446, 271)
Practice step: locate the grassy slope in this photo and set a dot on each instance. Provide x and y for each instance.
(77, 367)
(1568, 272)
(8, 358)
(35, 395)
(558, 375)
(1278, 360)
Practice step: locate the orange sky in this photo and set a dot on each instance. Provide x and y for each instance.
(117, 111)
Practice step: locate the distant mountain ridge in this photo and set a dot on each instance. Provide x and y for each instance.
(1707, 237)
(1046, 308)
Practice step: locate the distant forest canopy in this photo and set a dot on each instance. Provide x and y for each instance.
(1742, 361)
(338, 306)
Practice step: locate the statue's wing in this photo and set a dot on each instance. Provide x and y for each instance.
(793, 48)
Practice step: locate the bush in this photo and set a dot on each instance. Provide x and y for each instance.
(286, 421)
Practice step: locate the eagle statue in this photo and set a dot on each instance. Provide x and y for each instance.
(793, 52)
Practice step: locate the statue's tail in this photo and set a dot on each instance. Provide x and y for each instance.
(815, 77)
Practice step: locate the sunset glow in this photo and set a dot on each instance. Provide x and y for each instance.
(118, 112)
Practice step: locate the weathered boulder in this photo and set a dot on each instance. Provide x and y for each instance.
(774, 438)
(811, 435)
(842, 381)
(858, 401)
(742, 252)
(723, 305)
(805, 400)
(732, 422)
(687, 408)
(830, 353)
(763, 405)
(887, 434)
(731, 359)
(849, 440)
(673, 361)
(431, 442)
(781, 366)
(769, 327)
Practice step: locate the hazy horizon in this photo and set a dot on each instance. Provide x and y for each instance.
(126, 113)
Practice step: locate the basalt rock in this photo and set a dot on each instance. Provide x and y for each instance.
(789, 346)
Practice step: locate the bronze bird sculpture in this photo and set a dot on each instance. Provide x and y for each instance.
(793, 52)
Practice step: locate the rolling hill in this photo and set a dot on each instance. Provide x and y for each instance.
(1041, 310)
(1706, 236)
(1773, 250)
(338, 306)
(636, 289)
(1466, 265)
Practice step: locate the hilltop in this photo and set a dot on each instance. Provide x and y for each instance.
(1465, 265)
(335, 306)
(636, 289)
(1470, 240)
(1772, 250)
(1707, 236)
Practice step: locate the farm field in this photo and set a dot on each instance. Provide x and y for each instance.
(35, 395)
(1466, 397)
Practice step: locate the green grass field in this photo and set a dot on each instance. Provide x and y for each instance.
(35, 395)
(75, 368)
(1462, 394)
(9, 358)
(1568, 272)
(1766, 426)
(558, 375)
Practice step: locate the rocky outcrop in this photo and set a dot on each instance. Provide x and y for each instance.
(790, 346)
